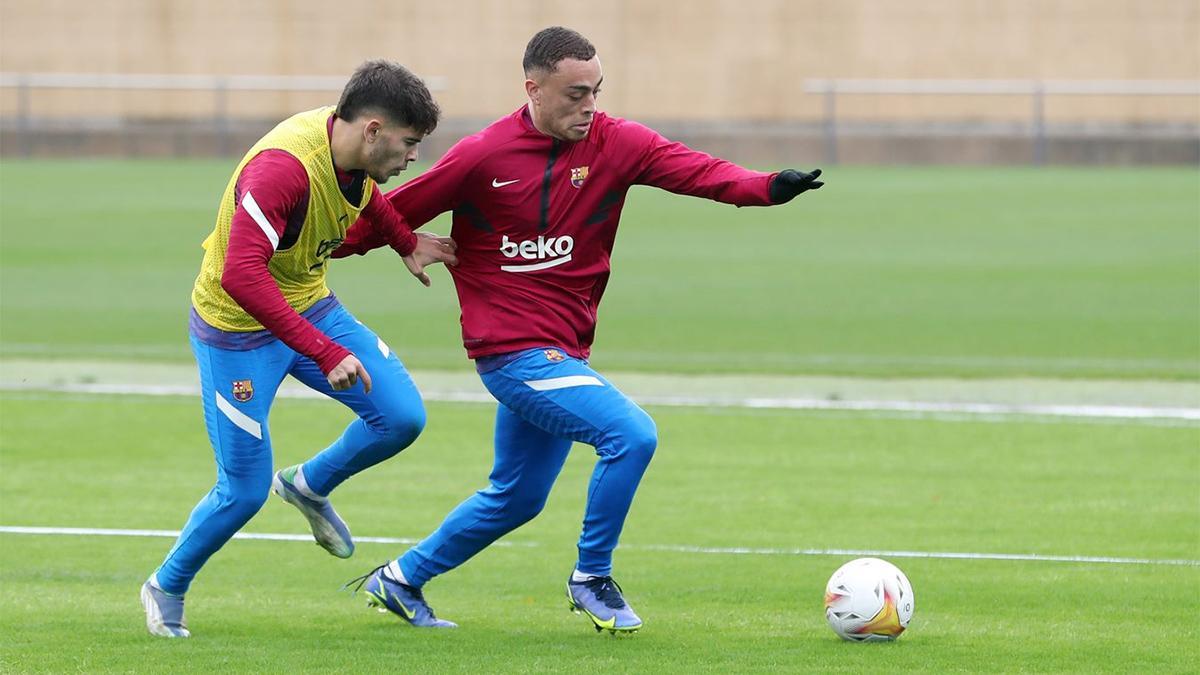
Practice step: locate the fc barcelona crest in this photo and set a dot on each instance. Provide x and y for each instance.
(578, 175)
(554, 355)
(243, 390)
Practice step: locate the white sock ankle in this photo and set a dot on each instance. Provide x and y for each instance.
(153, 580)
(302, 485)
(393, 570)
(578, 576)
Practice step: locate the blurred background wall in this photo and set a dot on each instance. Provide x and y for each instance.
(735, 77)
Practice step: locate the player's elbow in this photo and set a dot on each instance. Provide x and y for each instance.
(234, 285)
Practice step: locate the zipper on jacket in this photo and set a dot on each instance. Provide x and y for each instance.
(543, 219)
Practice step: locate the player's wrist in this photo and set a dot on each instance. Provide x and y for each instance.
(330, 357)
(404, 242)
(790, 183)
(782, 190)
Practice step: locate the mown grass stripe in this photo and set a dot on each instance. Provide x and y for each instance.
(932, 408)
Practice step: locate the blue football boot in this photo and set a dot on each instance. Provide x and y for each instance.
(164, 612)
(600, 599)
(327, 526)
(406, 602)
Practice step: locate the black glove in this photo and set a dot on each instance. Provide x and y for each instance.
(789, 183)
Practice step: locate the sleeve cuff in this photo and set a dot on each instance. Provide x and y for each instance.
(404, 241)
(331, 357)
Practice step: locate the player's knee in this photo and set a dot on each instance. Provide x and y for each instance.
(517, 504)
(522, 509)
(401, 424)
(639, 440)
(244, 501)
(251, 503)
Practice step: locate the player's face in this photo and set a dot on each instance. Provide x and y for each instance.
(563, 102)
(389, 149)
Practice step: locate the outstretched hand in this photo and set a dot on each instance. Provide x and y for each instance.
(431, 248)
(790, 183)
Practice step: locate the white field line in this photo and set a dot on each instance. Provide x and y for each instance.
(1065, 363)
(1068, 364)
(920, 408)
(667, 548)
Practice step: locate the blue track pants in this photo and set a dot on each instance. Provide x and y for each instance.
(238, 388)
(547, 400)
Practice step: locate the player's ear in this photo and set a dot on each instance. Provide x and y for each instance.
(533, 91)
(372, 129)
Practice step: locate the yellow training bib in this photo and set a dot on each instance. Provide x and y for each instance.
(300, 270)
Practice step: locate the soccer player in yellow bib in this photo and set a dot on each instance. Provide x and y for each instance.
(261, 311)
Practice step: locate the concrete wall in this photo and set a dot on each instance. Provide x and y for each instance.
(693, 60)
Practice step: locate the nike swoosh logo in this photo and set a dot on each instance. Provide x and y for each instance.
(407, 612)
(610, 624)
(497, 183)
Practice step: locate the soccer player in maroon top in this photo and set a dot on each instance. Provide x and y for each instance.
(536, 198)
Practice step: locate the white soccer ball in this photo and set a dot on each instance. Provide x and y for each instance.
(868, 599)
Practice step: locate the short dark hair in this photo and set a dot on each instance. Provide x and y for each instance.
(554, 44)
(391, 89)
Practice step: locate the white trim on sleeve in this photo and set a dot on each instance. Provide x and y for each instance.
(256, 213)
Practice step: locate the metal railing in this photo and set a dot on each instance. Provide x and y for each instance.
(220, 85)
(1037, 90)
(223, 86)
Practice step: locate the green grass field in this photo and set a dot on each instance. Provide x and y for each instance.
(720, 480)
(884, 272)
(1061, 277)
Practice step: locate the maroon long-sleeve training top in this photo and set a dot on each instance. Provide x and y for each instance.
(535, 219)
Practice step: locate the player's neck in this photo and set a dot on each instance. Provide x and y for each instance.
(540, 126)
(344, 145)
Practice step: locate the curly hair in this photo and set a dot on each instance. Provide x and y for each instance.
(391, 89)
(552, 45)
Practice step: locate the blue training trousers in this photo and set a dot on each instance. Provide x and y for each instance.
(547, 400)
(389, 419)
